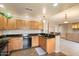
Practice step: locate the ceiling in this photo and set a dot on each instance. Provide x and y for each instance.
(34, 10)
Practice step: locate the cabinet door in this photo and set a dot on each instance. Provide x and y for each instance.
(11, 23)
(15, 43)
(50, 45)
(40, 25)
(43, 43)
(35, 41)
(27, 24)
(36, 25)
(2, 22)
(20, 24)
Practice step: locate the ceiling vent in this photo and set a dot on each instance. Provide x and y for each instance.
(28, 9)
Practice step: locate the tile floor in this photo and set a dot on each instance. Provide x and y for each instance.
(32, 52)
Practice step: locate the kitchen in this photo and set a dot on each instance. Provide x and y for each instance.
(34, 29)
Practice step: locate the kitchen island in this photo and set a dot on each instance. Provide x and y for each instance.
(45, 41)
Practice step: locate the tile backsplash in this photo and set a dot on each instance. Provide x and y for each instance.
(20, 31)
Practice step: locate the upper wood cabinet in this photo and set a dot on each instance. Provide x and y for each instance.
(11, 24)
(2, 22)
(27, 24)
(36, 25)
(20, 24)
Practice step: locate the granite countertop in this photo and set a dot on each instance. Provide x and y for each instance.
(32, 34)
(10, 35)
(48, 37)
(43, 35)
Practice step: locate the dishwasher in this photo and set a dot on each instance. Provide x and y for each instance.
(26, 42)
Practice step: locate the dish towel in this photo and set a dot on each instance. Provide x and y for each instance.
(40, 51)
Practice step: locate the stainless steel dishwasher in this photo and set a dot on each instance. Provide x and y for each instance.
(26, 42)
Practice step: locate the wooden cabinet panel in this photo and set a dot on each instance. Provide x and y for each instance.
(47, 44)
(20, 24)
(2, 22)
(40, 25)
(27, 24)
(11, 24)
(35, 25)
(15, 43)
(50, 45)
(35, 41)
(42, 43)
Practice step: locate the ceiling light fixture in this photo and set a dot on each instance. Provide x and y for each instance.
(1, 6)
(55, 4)
(66, 21)
(44, 10)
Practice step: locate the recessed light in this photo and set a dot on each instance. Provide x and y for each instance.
(1, 6)
(55, 4)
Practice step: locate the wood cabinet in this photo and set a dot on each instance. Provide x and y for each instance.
(38, 25)
(50, 45)
(15, 43)
(35, 41)
(26, 24)
(75, 26)
(47, 44)
(7, 23)
(42, 42)
(11, 24)
(35, 25)
(20, 24)
(2, 22)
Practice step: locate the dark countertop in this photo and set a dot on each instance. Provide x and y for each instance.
(32, 34)
(10, 35)
(45, 35)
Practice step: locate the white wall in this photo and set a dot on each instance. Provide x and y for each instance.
(69, 48)
(57, 47)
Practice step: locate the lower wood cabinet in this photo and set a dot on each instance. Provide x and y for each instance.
(15, 43)
(48, 44)
(35, 41)
(42, 42)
